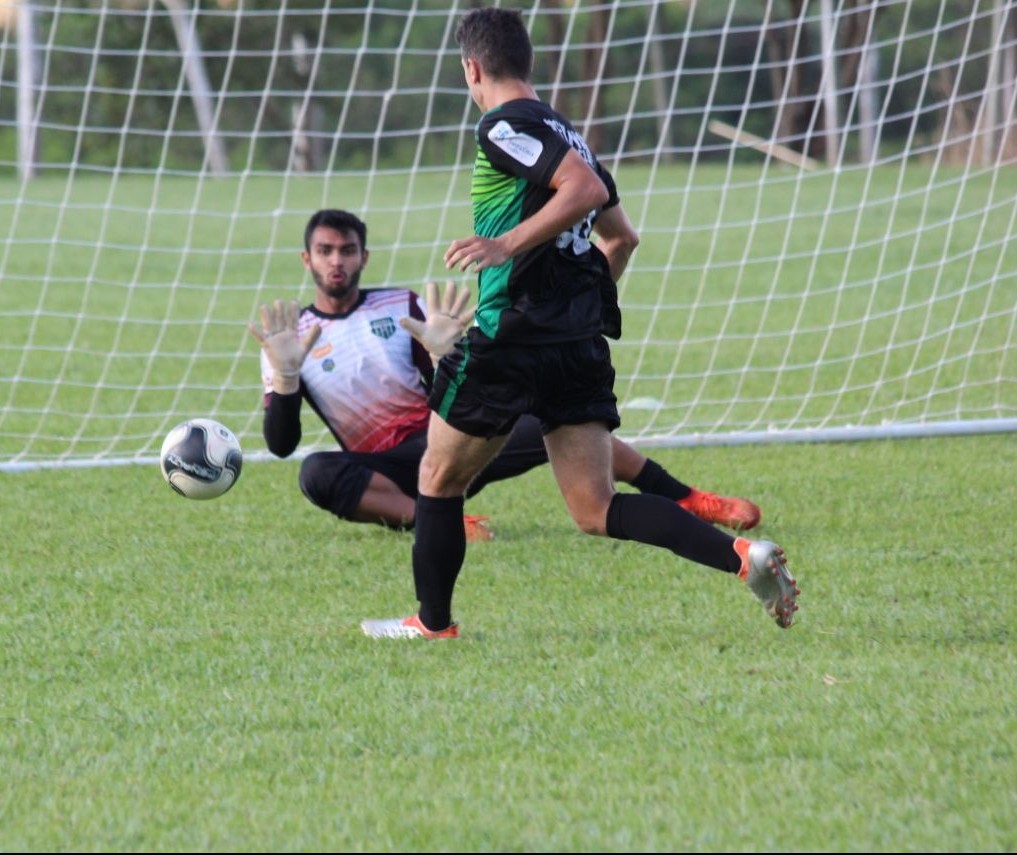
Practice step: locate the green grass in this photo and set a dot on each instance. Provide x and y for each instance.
(180, 676)
(187, 676)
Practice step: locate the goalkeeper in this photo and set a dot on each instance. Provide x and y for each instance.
(351, 356)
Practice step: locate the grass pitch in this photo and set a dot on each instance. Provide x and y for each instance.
(190, 676)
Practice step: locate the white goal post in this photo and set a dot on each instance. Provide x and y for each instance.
(826, 193)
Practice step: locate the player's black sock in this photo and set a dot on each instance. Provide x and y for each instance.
(659, 522)
(439, 547)
(654, 478)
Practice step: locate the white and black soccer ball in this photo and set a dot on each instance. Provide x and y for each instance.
(201, 459)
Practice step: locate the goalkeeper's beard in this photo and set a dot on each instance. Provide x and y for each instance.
(337, 292)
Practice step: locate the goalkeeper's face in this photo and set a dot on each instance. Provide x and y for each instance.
(335, 261)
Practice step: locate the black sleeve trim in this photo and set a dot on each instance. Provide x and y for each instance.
(281, 425)
(421, 358)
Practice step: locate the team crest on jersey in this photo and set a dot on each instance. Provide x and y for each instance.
(383, 327)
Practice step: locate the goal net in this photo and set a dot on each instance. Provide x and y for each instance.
(825, 191)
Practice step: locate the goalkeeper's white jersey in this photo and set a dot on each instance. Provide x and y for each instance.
(360, 376)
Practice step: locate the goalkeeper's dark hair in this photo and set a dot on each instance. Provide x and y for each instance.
(499, 41)
(341, 221)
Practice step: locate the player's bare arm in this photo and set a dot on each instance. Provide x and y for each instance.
(617, 239)
(578, 191)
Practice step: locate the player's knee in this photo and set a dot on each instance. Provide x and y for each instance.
(587, 505)
(313, 483)
(333, 482)
(590, 520)
(442, 477)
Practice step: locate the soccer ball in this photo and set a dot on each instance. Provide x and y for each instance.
(200, 459)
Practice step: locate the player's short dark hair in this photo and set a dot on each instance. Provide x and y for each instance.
(498, 40)
(341, 221)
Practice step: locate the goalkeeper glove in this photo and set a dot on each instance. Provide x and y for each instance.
(283, 347)
(447, 319)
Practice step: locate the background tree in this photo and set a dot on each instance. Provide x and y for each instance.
(113, 90)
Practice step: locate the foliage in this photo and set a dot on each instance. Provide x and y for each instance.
(113, 92)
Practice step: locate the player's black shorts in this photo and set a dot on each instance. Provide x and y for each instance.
(482, 387)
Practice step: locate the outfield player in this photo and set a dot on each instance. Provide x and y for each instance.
(348, 356)
(546, 299)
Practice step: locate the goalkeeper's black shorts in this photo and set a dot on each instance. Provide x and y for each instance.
(483, 386)
(337, 480)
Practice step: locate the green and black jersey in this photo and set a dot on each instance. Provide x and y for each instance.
(552, 292)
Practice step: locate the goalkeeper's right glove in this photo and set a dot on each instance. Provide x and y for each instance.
(447, 319)
(283, 347)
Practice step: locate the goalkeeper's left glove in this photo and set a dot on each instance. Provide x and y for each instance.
(447, 319)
